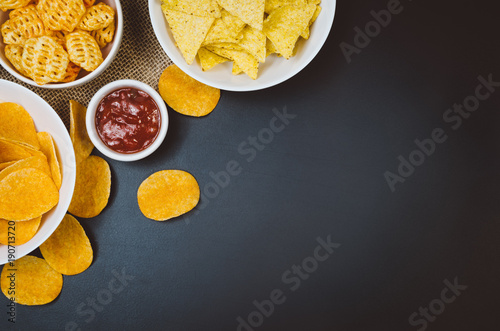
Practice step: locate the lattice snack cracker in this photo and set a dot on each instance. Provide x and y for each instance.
(105, 35)
(11, 36)
(14, 54)
(83, 50)
(44, 60)
(12, 4)
(71, 72)
(61, 14)
(28, 23)
(97, 17)
(88, 3)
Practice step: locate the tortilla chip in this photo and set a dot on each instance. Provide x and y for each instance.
(19, 233)
(92, 187)
(78, 131)
(250, 11)
(167, 194)
(186, 95)
(68, 249)
(245, 61)
(35, 282)
(208, 8)
(189, 31)
(234, 24)
(208, 60)
(17, 125)
(236, 70)
(254, 42)
(48, 148)
(27, 193)
(305, 34)
(285, 24)
(218, 34)
(272, 5)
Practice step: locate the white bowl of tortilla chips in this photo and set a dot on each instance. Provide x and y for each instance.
(221, 42)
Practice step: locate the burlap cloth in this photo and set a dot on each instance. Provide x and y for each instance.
(140, 57)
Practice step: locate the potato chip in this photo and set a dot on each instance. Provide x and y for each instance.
(72, 72)
(167, 194)
(208, 60)
(254, 42)
(92, 187)
(17, 125)
(18, 233)
(246, 62)
(37, 162)
(12, 4)
(26, 194)
(11, 36)
(34, 281)
(97, 17)
(105, 35)
(285, 24)
(206, 8)
(48, 148)
(68, 249)
(189, 31)
(61, 14)
(44, 60)
(186, 95)
(12, 152)
(234, 24)
(14, 53)
(250, 11)
(78, 131)
(83, 50)
(4, 165)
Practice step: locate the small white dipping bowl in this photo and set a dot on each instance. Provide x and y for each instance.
(108, 53)
(91, 117)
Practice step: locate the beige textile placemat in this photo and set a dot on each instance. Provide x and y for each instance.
(140, 57)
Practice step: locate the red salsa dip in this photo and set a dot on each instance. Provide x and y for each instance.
(128, 120)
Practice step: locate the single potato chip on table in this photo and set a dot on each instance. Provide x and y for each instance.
(35, 282)
(186, 95)
(167, 194)
(78, 131)
(68, 249)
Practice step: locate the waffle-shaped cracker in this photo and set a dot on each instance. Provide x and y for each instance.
(105, 35)
(10, 35)
(14, 53)
(71, 72)
(88, 3)
(83, 50)
(27, 22)
(44, 60)
(61, 14)
(12, 4)
(97, 17)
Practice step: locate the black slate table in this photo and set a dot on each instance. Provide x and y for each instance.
(375, 207)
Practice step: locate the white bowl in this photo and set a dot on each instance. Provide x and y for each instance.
(109, 52)
(91, 127)
(274, 71)
(46, 119)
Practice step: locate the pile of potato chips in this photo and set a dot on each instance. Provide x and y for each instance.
(243, 31)
(52, 40)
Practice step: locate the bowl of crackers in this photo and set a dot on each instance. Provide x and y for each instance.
(59, 43)
(242, 45)
(37, 171)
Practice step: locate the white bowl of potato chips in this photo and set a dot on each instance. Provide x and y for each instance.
(38, 171)
(59, 43)
(242, 45)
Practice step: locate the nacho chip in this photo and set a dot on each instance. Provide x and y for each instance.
(35, 282)
(186, 95)
(236, 70)
(271, 5)
(218, 34)
(246, 62)
(285, 24)
(37, 162)
(167, 194)
(251, 11)
(270, 48)
(68, 249)
(208, 60)
(254, 42)
(12, 152)
(305, 34)
(26, 194)
(78, 131)
(92, 187)
(18, 233)
(189, 31)
(17, 125)
(49, 150)
(234, 24)
(207, 8)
